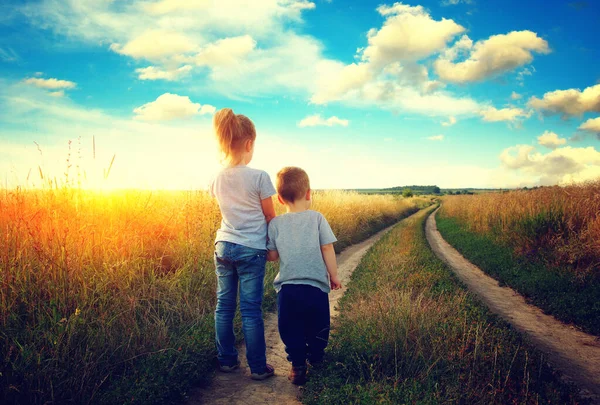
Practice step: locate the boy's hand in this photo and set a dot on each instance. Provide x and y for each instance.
(335, 282)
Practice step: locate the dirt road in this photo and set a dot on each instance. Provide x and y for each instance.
(237, 388)
(575, 353)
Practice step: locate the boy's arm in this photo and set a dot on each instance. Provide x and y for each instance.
(268, 209)
(272, 256)
(331, 264)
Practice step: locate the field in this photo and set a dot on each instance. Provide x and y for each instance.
(101, 290)
(409, 332)
(545, 243)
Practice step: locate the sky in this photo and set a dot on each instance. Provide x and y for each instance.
(361, 94)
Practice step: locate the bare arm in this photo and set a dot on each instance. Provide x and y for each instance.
(268, 209)
(331, 264)
(272, 256)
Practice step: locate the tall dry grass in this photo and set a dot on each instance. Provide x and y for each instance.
(109, 296)
(561, 224)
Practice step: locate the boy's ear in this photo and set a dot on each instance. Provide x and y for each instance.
(280, 199)
(308, 195)
(249, 145)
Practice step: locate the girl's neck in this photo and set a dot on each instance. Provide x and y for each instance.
(241, 160)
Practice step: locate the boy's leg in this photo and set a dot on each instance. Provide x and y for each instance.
(250, 265)
(290, 313)
(227, 286)
(318, 322)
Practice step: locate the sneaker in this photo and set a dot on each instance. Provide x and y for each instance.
(229, 369)
(297, 375)
(269, 372)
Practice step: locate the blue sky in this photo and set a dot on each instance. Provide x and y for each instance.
(361, 94)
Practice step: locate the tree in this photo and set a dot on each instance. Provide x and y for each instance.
(407, 193)
(436, 190)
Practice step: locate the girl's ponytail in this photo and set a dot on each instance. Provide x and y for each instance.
(232, 130)
(227, 128)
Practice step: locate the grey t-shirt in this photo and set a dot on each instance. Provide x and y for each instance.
(239, 191)
(298, 237)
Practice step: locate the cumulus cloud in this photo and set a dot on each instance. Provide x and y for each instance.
(490, 57)
(156, 44)
(317, 120)
(408, 34)
(58, 93)
(171, 106)
(50, 84)
(569, 102)
(591, 125)
(224, 52)
(509, 114)
(436, 138)
(170, 6)
(559, 166)
(515, 96)
(156, 73)
(346, 78)
(451, 121)
(551, 140)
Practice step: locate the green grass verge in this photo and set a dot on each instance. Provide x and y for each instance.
(557, 291)
(409, 332)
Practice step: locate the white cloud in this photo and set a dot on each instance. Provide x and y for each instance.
(527, 71)
(170, 6)
(8, 55)
(225, 52)
(58, 93)
(568, 102)
(509, 114)
(451, 121)
(515, 96)
(490, 57)
(551, 140)
(171, 106)
(559, 166)
(156, 73)
(346, 78)
(591, 125)
(436, 138)
(156, 44)
(408, 34)
(455, 2)
(50, 84)
(317, 120)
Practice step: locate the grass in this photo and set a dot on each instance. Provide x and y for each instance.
(409, 332)
(558, 291)
(559, 226)
(109, 297)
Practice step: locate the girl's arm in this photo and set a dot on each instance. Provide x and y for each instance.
(331, 264)
(268, 209)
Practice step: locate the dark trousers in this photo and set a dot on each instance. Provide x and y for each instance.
(303, 314)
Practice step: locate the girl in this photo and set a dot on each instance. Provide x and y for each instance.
(244, 197)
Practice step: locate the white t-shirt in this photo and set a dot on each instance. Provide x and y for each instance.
(239, 191)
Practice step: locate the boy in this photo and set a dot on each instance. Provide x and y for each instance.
(303, 241)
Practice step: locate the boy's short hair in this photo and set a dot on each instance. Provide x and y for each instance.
(292, 183)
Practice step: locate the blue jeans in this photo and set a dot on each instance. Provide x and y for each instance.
(236, 264)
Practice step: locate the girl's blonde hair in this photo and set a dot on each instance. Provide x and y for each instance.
(232, 132)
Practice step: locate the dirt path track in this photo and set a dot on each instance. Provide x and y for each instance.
(574, 353)
(238, 389)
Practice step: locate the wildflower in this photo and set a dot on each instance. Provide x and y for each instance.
(77, 311)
